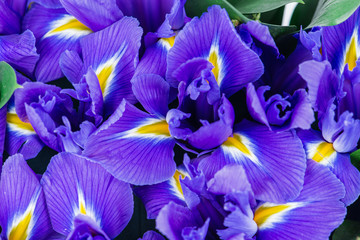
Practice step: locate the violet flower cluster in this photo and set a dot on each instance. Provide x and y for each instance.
(267, 138)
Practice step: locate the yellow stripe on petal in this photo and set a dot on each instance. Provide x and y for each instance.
(103, 77)
(82, 208)
(71, 24)
(215, 60)
(105, 72)
(14, 121)
(68, 26)
(177, 177)
(351, 54)
(263, 213)
(236, 142)
(156, 128)
(323, 151)
(238, 146)
(21, 230)
(268, 215)
(168, 42)
(21, 225)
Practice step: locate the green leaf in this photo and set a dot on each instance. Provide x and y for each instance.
(303, 13)
(8, 83)
(198, 7)
(355, 159)
(277, 31)
(349, 230)
(257, 6)
(333, 12)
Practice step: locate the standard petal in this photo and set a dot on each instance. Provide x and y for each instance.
(23, 213)
(229, 179)
(74, 186)
(152, 91)
(322, 82)
(19, 51)
(71, 65)
(9, 20)
(173, 219)
(214, 38)
(133, 146)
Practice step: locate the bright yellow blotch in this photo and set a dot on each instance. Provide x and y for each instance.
(82, 208)
(177, 176)
(323, 151)
(235, 141)
(20, 232)
(351, 54)
(170, 41)
(103, 77)
(214, 59)
(263, 213)
(158, 128)
(72, 24)
(12, 118)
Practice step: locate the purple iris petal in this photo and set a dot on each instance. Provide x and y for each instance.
(159, 16)
(19, 51)
(337, 40)
(49, 3)
(28, 208)
(20, 136)
(351, 86)
(71, 65)
(77, 189)
(264, 156)
(95, 14)
(86, 228)
(152, 235)
(320, 195)
(261, 35)
(322, 82)
(134, 146)
(9, 20)
(152, 91)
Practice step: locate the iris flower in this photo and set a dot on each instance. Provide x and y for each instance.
(278, 99)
